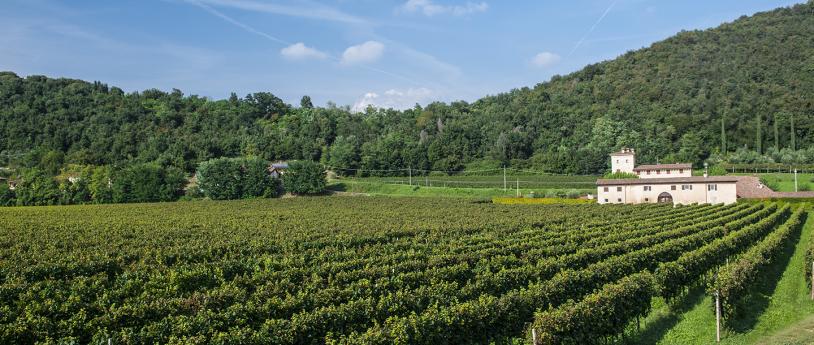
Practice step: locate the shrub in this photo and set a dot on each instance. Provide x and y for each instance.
(304, 177)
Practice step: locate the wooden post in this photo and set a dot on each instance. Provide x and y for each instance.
(717, 317)
(410, 171)
(518, 188)
(533, 336)
(812, 280)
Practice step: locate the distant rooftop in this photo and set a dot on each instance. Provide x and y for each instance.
(667, 180)
(663, 166)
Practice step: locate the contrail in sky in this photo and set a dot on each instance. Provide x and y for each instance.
(576, 46)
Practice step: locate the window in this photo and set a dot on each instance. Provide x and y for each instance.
(686, 187)
(618, 189)
(712, 187)
(680, 171)
(619, 199)
(617, 161)
(672, 187)
(646, 199)
(668, 172)
(606, 200)
(648, 172)
(638, 172)
(606, 189)
(658, 172)
(625, 160)
(648, 188)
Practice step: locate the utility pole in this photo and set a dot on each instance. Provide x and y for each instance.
(504, 178)
(518, 187)
(795, 180)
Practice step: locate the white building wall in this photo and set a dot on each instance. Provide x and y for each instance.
(726, 193)
(623, 163)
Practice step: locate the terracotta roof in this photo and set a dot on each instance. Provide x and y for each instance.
(664, 166)
(666, 180)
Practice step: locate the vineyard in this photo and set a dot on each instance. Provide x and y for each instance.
(359, 270)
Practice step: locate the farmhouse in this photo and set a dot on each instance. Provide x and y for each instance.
(278, 169)
(671, 183)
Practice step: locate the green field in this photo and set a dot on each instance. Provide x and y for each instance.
(491, 181)
(784, 182)
(469, 186)
(378, 270)
(373, 187)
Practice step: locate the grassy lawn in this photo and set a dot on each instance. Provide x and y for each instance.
(781, 313)
(374, 187)
(490, 181)
(784, 182)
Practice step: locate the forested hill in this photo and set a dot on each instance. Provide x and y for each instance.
(749, 83)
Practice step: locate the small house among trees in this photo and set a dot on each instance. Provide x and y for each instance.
(278, 169)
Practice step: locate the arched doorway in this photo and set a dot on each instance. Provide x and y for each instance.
(665, 197)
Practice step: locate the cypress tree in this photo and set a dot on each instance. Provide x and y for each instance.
(793, 134)
(723, 132)
(758, 135)
(776, 135)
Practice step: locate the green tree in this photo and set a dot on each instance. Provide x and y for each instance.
(101, 185)
(305, 177)
(147, 183)
(37, 188)
(344, 155)
(7, 195)
(220, 179)
(692, 148)
(305, 102)
(236, 178)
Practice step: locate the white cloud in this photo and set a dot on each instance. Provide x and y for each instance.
(369, 51)
(429, 8)
(299, 51)
(545, 59)
(393, 98)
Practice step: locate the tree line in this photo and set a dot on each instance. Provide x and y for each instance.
(740, 92)
(216, 179)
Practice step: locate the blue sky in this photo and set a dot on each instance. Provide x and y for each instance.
(391, 53)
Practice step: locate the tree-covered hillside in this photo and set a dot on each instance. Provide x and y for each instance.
(749, 83)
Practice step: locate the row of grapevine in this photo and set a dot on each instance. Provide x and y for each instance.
(489, 317)
(600, 315)
(673, 277)
(736, 278)
(316, 270)
(562, 326)
(277, 271)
